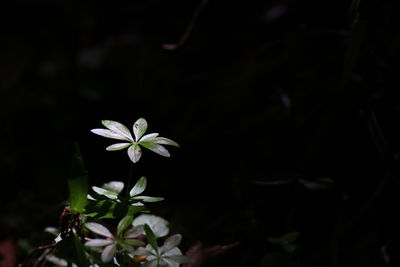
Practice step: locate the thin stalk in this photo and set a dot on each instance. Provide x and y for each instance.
(128, 185)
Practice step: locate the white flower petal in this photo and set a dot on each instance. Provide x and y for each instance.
(134, 232)
(152, 263)
(169, 262)
(109, 134)
(98, 229)
(139, 128)
(118, 146)
(180, 259)
(118, 128)
(98, 242)
(141, 251)
(58, 238)
(158, 225)
(134, 153)
(172, 242)
(176, 256)
(58, 261)
(108, 253)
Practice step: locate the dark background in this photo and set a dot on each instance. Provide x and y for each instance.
(261, 92)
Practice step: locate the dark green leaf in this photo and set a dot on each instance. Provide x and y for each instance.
(77, 182)
(148, 199)
(275, 259)
(151, 238)
(124, 224)
(121, 210)
(79, 252)
(100, 209)
(285, 239)
(126, 261)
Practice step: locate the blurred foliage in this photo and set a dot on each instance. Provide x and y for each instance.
(261, 90)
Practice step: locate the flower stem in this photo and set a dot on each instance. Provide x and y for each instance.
(128, 185)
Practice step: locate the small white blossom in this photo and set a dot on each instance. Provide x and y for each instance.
(169, 255)
(123, 240)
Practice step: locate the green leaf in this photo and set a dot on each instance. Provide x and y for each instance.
(134, 153)
(139, 128)
(156, 148)
(148, 199)
(139, 187)
(79, 252)
(100, 209)
(125, 246)
(134, 242)
(118, 146)
(77, 182)
(109, 134)
(124, 224)
(149, 137)
(99, 229)
(104, 192)
(126, 261)
(288, 238)
(151, 238)
(136, 209)
(277, 259)
(114, 186)
(166, 141)
(117, 127)
(121, 210)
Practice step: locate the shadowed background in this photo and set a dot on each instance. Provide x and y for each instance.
(261, 95)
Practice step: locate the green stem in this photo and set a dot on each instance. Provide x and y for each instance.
(128, 185)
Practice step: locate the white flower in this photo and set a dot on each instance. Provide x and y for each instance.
(124, 239)
(166, 256)
(153, 142)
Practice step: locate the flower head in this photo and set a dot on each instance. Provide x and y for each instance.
(169, 255)
(124, 240)
(152, 141)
